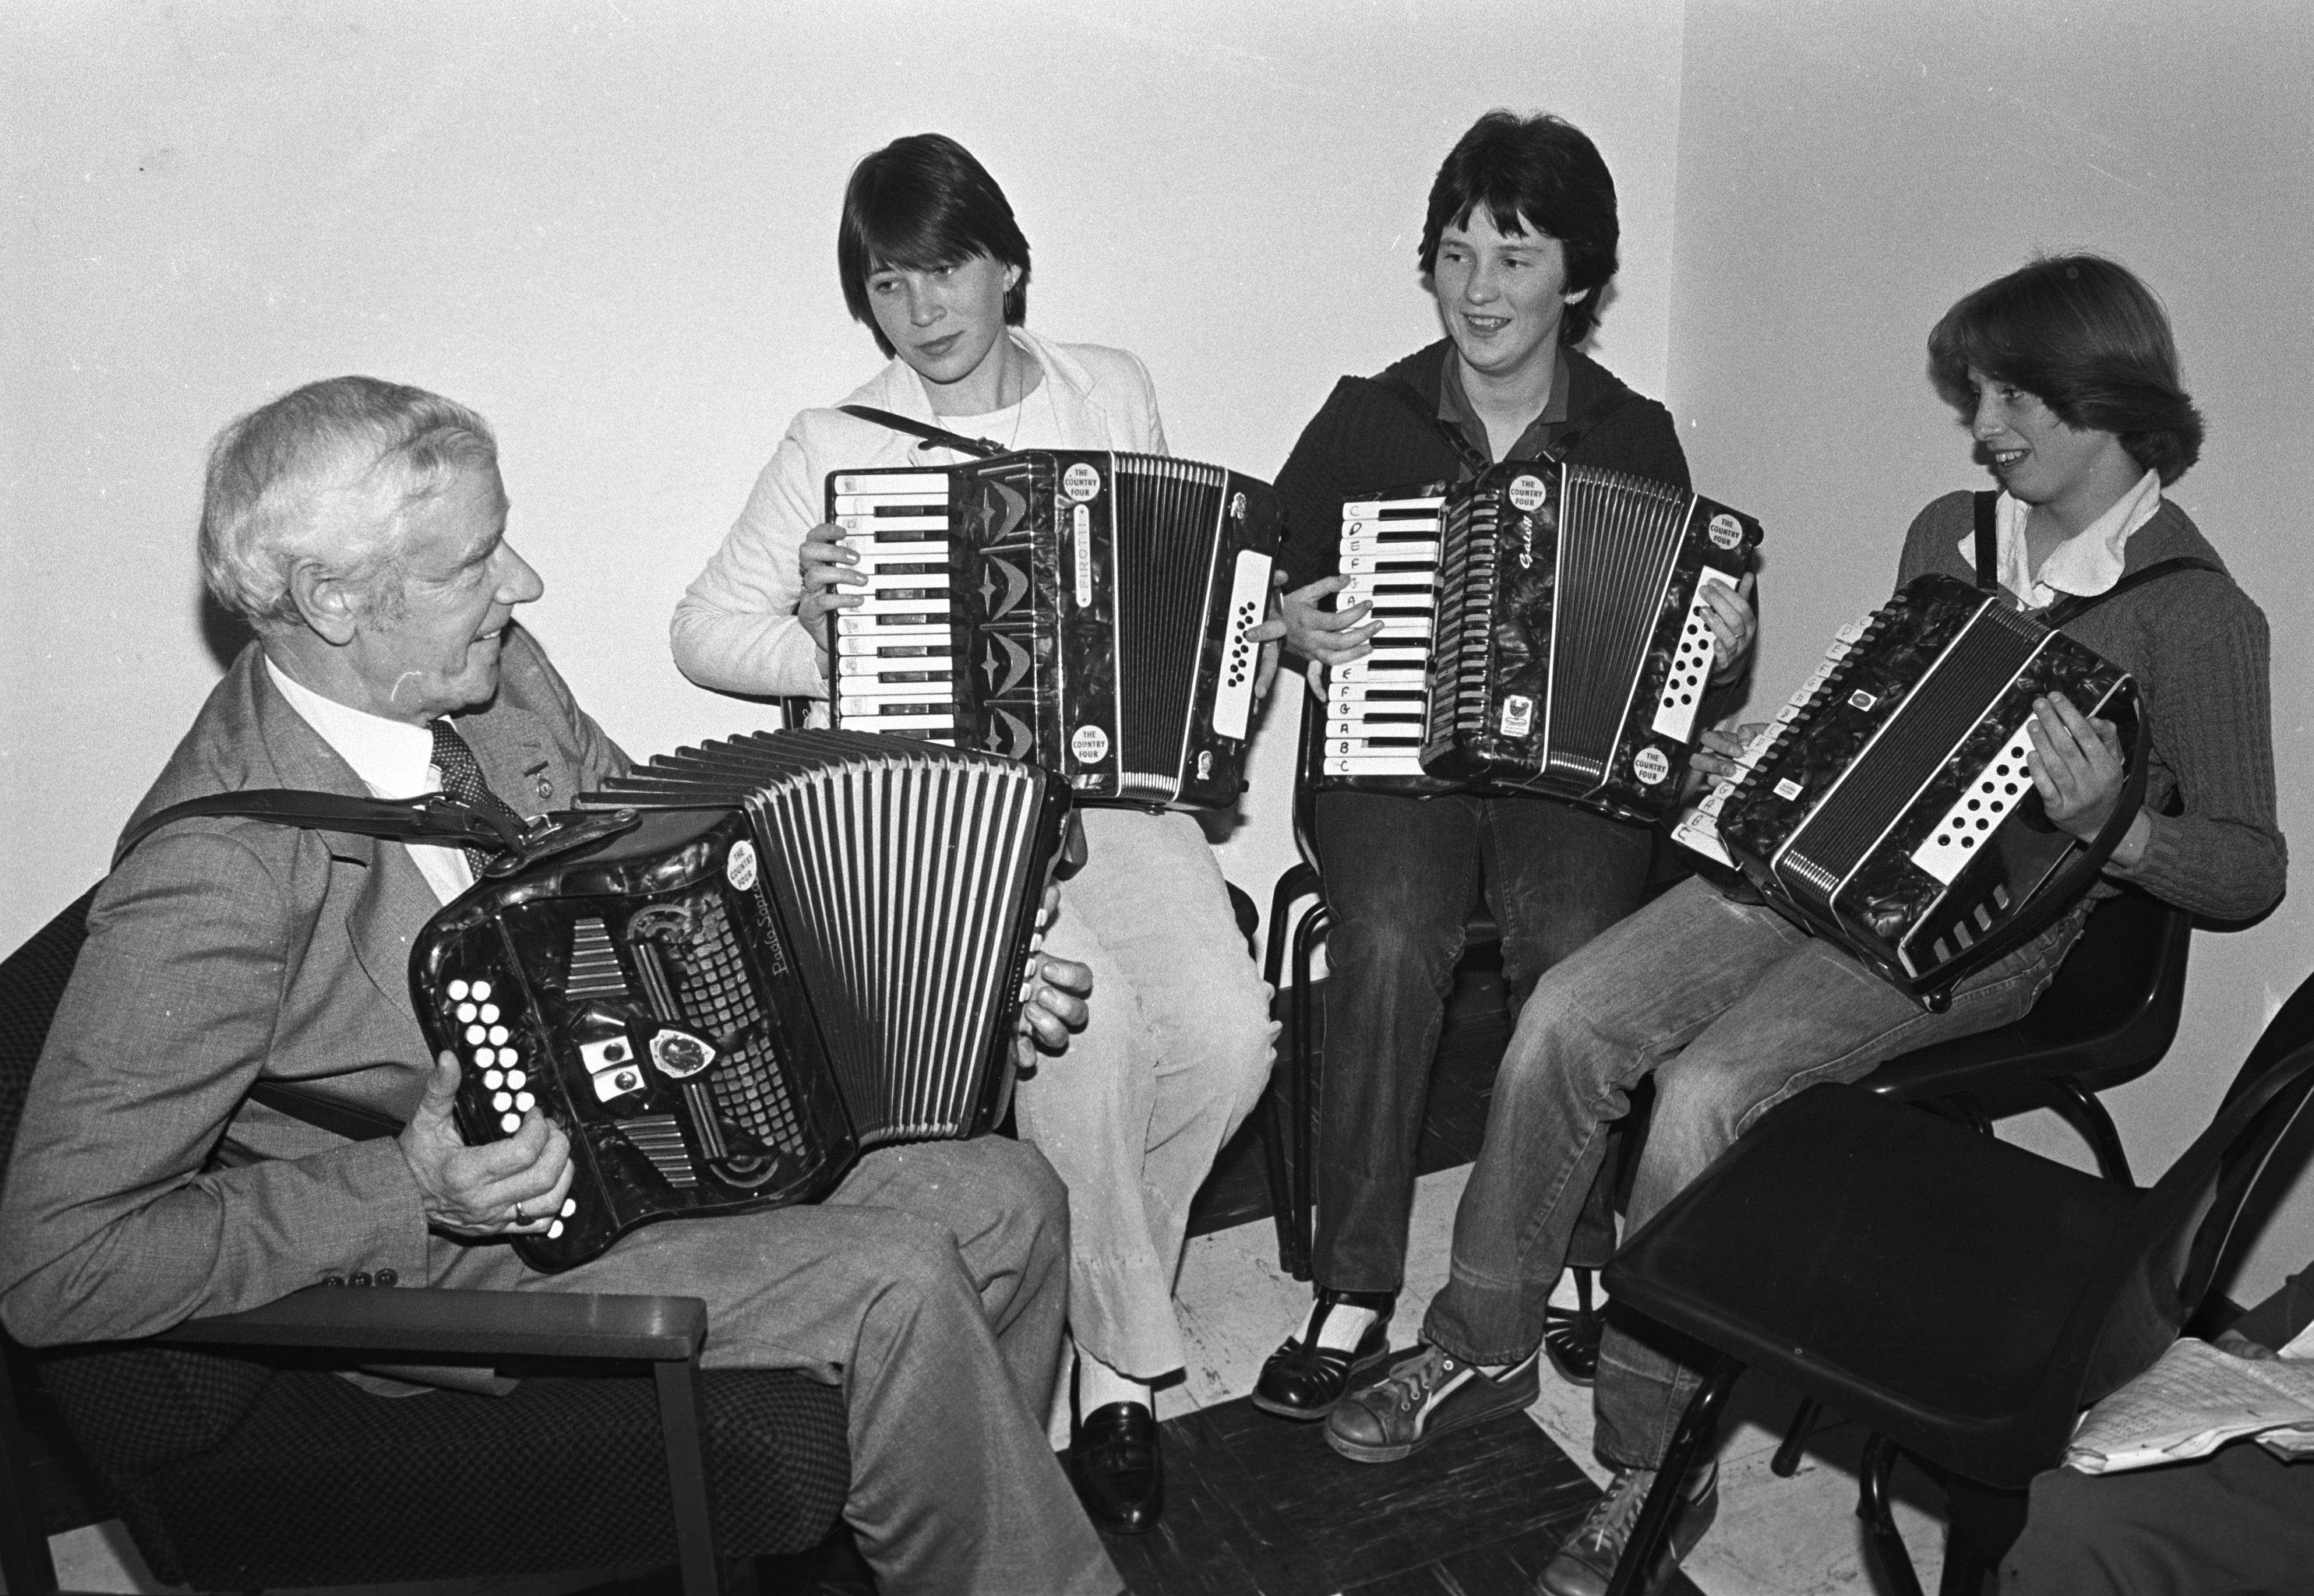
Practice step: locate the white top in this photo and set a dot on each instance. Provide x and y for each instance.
(735, 629)
(2088, 563)
(395, 760)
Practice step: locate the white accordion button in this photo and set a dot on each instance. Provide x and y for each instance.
(554, 1229)
(524, 1101)
(457, 991)
(481, 991)
(494, 1079)
(510, 1123)
(490, 1014)
(476, 1035)
(498, 1034)
(484, 1058)
(502, 1102)
(516, 1080)
(465, 1012)
(569, 1206)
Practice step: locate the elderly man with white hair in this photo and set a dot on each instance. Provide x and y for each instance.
(360, 527)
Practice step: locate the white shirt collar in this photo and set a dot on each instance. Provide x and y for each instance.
(394, 759)
(2088, 563)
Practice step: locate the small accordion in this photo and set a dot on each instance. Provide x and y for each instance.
(1542, 631)
(780, 951)
(1889, 806)
(1082, 610)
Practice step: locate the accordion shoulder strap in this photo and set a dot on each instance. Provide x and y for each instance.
(435, 817)
(1399, 388)
(350, 1120)
(1987, 543)
(2073, 605)
(945, 439)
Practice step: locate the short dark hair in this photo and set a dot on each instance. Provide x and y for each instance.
(1534, 174)
(919, 202)
(2081, 334)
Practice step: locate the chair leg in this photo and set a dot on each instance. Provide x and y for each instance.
(682, 1426)
(1306, 936)
(1698, 1427)
(1787, 1460)
(1873, 1507)
(2082, 1110)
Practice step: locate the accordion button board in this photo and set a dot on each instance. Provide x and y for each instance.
(811, 944)
(1083, 610)
(1889, 805)
(1543, 629)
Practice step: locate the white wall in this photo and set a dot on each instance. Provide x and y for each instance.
(1848, 169)
(610, 227)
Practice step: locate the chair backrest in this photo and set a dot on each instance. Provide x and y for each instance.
(2164, 1262)
(1306, 761)
(2122, 987)
(33, 982)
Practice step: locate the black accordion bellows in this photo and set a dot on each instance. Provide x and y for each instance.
(811, 944)
(1080, 609)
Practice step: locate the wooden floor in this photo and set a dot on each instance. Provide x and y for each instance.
(1256, 1505)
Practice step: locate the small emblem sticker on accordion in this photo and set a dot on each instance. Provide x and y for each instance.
(1090, 744)
(1528, 493)
(1861, 700)
(1518, 715)
(1080, 482)
(1083, 541)
(1787, 789)
(1237, 507)
(740, 865)
(1727, 531)
(1650, 766)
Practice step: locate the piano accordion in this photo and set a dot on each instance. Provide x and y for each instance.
(1888, 807)
(1082, 610)
(1542, 631)
(809, 945)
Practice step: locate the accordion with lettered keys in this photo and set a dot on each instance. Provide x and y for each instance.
(1083, 610)
(805, 945)
(1889, 806)
(1542, 631)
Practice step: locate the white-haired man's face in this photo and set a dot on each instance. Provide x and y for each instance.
(433, 650)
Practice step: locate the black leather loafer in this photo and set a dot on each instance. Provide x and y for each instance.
(1117, 1468)
(1304, 1381)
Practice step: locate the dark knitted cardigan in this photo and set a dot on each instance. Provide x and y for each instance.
(2197, 646)
(1364, 437)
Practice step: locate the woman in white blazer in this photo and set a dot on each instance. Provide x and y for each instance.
(1179, 1047)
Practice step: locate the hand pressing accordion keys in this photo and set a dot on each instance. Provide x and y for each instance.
(1889, 806)
(1082, 610)
(1543, 631)
(805, 945)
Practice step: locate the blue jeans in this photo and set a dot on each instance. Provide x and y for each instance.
(1732, 1008)
(1402, 876)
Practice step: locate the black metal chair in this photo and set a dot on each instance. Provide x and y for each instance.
(238, 1461)
(2107, 1017)
(1963, 1299)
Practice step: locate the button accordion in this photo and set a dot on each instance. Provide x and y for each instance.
(809, 944)
(1888, 807)
(1083, 610)
(1542, 631)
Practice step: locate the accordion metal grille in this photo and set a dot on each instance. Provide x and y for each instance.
(1461, 639)
(1912, 748)
(719, 1000)
(1168, 515)
(1617, 537)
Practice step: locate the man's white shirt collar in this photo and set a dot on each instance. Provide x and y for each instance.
(2088, 563)
(394, 759)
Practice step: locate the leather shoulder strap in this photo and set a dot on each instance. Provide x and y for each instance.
(350, 1120)
(1988, 541)
(1615, 399)
(1426, 411)
(945, 439)
(435, 818)
(2073, 605)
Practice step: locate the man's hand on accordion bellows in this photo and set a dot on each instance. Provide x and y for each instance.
(1328, 637)
(827, 564)
(1055, 1006)
(2076, 765)
(499, 1188)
